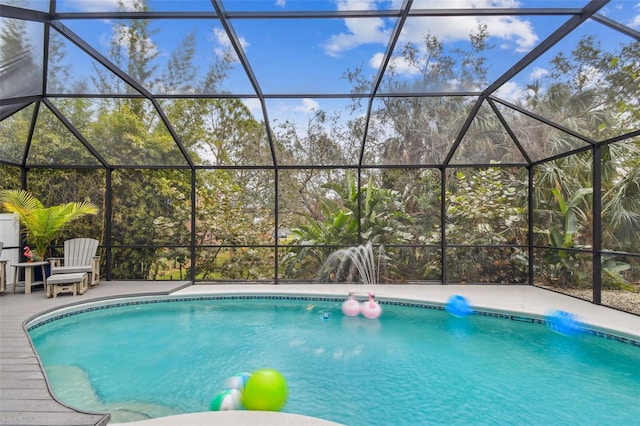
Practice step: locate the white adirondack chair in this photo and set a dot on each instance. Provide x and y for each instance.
(79, 256)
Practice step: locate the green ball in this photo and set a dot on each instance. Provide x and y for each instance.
(266, 390)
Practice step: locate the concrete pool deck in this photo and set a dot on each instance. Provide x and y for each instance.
(25, 398)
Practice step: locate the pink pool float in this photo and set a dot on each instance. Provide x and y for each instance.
(351, 307)
(370, 308)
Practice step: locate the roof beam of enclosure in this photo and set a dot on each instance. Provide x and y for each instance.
(45, 59)
(620, 138)
(87, 48)
(617, 26)
(544, 120)
(7, 11)
(510, 132)
(576, 20)
(496, 11)
(406, 5)
(242, 57)
(316, 14)
(172, 131)
(463, 131)
(32, 128)
(588, 11)
(76, 133)
(11, 106)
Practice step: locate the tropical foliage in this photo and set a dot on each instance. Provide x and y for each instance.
(349, 217)
(43, 224)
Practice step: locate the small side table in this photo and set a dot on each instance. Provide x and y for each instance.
(28, 275)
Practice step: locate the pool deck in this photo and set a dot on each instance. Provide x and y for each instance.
(25, 398)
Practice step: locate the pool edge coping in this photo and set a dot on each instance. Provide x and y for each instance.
(144, 298)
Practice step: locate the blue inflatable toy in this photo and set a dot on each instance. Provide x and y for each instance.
(458, 306)
(564, 323)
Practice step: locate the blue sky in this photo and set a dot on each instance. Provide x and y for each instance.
(311, 55)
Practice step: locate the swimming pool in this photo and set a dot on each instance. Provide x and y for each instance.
(142, 358)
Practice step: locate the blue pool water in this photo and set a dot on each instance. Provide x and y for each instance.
(412, 366)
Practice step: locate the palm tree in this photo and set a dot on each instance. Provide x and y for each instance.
(42, 224)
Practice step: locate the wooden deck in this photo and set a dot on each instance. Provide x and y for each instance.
(25, 397)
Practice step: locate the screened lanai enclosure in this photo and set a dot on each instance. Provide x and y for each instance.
(467, 141)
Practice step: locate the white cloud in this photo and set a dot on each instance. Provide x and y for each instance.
(376, 60)
(462, 4)
(360, 31)
(281, 3)
(516, 33)
(511, 92)
(538, 73)
(308, 105)
(255, 107)
(510, 28)
(101, 5)
(294, 111)
(122, 36)
(590, 78)
(399, 64)
(356, 4)
(223, 44)
(451, 29)
(514, 92)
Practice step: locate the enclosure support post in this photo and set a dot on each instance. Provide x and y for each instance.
(530, 206)
(276, 228)
(443, 210)
(359, 204)
(597, 224)
(192, 274)
(108, 223)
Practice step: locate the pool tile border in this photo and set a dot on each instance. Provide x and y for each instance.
(35, 323)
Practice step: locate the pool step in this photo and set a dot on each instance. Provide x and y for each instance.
(72, 385)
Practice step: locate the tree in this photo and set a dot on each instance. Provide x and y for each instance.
(41, 223)
(590, 94)
(226, 226)
(422, 129)
(588, 91)
(380, 220)
(486, 207)
(19, 70)
(58, 73)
